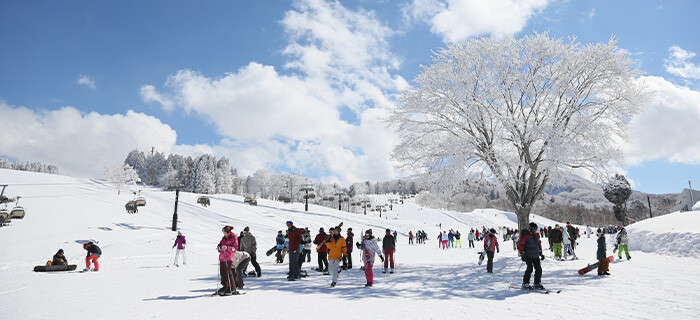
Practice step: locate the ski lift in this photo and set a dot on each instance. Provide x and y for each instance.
(204, 201)
(4, 217)
(140, 201)
(131, 207)
(17, 212)
(253, 202)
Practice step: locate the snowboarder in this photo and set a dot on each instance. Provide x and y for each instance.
(247, 243)
(573, 235)
(347, 259)
(490, 245)
(294, 236)
(623, 240)
(336, 249)
(471, 237)
(59, 259)
(389, 247)
(369, 248)
(601, 255)
(93, 253)
(530, 250)
(458, 237)
(180, 242)
(280, 240)
(555, 239)
(567, 245)
(322, 251)
(227, 247)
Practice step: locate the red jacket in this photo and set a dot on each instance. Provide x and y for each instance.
(227, 247)
(294, 236)
(319, 238)
(494, 243)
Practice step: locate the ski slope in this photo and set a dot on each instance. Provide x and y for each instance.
(135, 280)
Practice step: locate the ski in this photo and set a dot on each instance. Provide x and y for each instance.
(546, 291)
(328, 237)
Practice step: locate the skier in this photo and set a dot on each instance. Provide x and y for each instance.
(227, 247)
(322, 251)
(93, 253)
(490, 245)
(588, 231)
(603, 262)
(306, 247)
(279, 247)
(477, 235)
(445, 239)
(573, 235)
(530, 250)
(369, 247)
(294, 235)
(337, 247)
(450, 239)
(180, 242)
(389, 247)
(458, 236)
(471, 237)
(555, 239)
(247, 243)
(347, 259)
(410, 237)
(567, 245)
(623, 241)
(515, 237)
(59, 259)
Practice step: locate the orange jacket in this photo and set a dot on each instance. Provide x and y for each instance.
(336, 249)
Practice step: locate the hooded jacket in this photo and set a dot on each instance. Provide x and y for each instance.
(336, 248)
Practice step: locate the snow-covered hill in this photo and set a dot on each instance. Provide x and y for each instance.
(135, 283)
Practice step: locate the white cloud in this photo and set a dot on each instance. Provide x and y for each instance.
(86, 81)
(591, 13)
(79, 144)
(669, 127)
(678, 63)
(457, 20)
(149, 94)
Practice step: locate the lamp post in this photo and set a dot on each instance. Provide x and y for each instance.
(177, 185)
(306, 188)
(692, 201)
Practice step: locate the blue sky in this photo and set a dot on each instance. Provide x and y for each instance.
(301, 86)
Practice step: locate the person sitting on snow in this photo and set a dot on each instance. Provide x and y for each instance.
(59, 259)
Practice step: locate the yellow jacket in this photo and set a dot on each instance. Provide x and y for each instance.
(336, 248)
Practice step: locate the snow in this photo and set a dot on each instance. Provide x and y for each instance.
(134, 281)
(676, 234)
(696, 206)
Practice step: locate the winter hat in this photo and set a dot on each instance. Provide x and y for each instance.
(599, 232)
(227, 229)
(179, 233)
(60, 251)
(289, 222)
(87, 244)
(388, 231)
(246, 229)
(349, 229)
(368, 232)
(492, 231)
(533, 225)
(320, 230)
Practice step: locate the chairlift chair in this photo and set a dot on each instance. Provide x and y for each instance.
(253, 202)
(131, 207)
(17, 213)
(204, 201)
(141, 202)
(4, 217)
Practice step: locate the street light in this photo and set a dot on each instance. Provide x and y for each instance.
(692, 202)
(306, 188)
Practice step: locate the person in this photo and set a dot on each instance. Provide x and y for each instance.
(247, 243)
(240, 263)
(573, 235)
(515, 236)
(279, 247)
(477, 234)
(588, 231)
(490, 245)
(347, 259)
(530, 250)
(450, 239)
(601, 255)
(389, 247)
(555, 239)
(294, 236)
(59, 259)
(567, 245)
(306, 247)
(623, 240)
(458, 236)
(369, 248)
(321, 250)
(180, 242)
(471, 237)
(227, 247)
(337, 247)
(410, 237)
(93, 253)
(445, 240)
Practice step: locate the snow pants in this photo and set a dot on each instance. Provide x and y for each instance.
(306, 254)
(92, 258)
(322, 261)
(567, 248)
(177, 254)
(347, 260)
(333, 268)
(471, 243)
(226, 272)
(254, 262)
(557, 249)
(369, 273)
(280, 256)
(451, 243)
(240, 271)
(410, 240)
(489, 262)
(294, 269)
(388, 258)
(458, 242)
(532, 263)
(603, 265)
(623, 247)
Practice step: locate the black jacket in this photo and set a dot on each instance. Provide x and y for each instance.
(389, 242)
(93, 249)
(59, 260)
(529, 244)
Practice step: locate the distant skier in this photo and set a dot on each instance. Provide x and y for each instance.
(227, 247)
(515, 236)
(93, 253)
(573, 235)
(567, 245)
(588, 231)
(389, 247)
(490, 245)
(623, 240)
(337, 247)
(471, 237)
(555, 239)
(445, 239)
(347, 259)
(180, 242)
(458, 241)
(247, 243)
(369, 248)
(450, 239)
(59, 259)
(410, 237)
(530, 249)
(279, 247)
(601, 255)
(322, 251)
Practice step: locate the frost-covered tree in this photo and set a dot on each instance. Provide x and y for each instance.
(203, 175)
(121, 175)
(617, 191)
(522, 110)
(137, 160)
(224, 178)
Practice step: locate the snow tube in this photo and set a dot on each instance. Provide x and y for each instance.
(69, 267)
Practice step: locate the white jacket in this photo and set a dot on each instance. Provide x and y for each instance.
(369, 246)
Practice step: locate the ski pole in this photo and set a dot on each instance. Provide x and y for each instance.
(516, 275)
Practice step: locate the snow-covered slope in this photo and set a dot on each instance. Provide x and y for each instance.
(676, 234)
(135, 283)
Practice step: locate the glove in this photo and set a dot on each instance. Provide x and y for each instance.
(522, 257)
(381, 257)
(498, 251)
(541, 256)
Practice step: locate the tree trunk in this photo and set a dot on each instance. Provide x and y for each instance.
(523, 215)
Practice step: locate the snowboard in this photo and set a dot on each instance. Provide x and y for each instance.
(69, 267)
(328, 237)
(546, 291)
(483, 253)
(271, 251)
(590, 267)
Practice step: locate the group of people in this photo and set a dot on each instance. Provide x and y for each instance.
(449, 239)
(563, 240)
(419, 236)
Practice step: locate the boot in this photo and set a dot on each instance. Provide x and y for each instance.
(526, 286)
(332, 284)
(538, 286)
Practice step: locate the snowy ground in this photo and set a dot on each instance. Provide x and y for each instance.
(135, 283)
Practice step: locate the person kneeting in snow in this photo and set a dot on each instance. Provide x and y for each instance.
(369, 248)
(530, 250)
(180, 243)
(93, 253)
(227, 248)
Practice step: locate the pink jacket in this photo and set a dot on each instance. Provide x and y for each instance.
(227, 247)
(494, 243)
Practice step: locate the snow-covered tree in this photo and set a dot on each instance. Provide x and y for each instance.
(521, 110)
(121, 175)
(137, 160)
(224, 179)
(617, 191)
